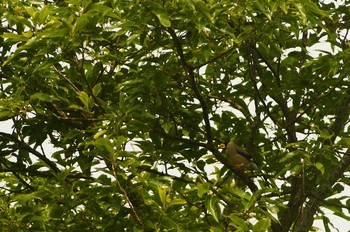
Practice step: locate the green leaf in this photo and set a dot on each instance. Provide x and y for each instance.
(289, 156)
(81, 23)
(104, 145)
(44, 97)
(212, 207)
(99, 134)
(14, 37)
(296, 169)
(344, 142)
(309, 5)
(104, 179)
(62, 175)
(177, 201)
(97, 89)
(54, 33)
(203, 189)
(320, 167)
(162, 195)
(9, 108)
(202, 8)
(6, 114)
(242, 194)
(325, 134)
(238, 223)
(162, 17)
(86, 100)
(27, 197)
(263, 225)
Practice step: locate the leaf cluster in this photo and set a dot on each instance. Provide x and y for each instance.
(117, 109)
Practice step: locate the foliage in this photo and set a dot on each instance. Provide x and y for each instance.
(118, 108)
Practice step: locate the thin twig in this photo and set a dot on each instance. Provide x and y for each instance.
(64, 77)
(114, 170)
(214, 58)
(150, 170)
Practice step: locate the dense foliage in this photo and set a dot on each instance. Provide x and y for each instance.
(118, 107)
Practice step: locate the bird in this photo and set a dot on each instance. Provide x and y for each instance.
(237, 157)
(240, 159)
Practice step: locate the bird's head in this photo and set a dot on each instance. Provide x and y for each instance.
(222, 146)
(227, 145)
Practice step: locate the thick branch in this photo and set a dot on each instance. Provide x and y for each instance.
(280, 99)
(299, 196)
(322, 191)
(307, 216)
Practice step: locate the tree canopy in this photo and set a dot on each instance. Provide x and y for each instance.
(117, 109)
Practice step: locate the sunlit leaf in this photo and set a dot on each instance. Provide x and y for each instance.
(163, 18)
(211, 205)
(320, 167)
(202, 8)
(203, 189)
(43, 97)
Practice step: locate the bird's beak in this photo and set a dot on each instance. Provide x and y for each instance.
(222, 146)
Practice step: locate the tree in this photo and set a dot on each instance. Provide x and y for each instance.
(132, 99)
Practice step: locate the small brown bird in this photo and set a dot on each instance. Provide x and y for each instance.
(238, 157)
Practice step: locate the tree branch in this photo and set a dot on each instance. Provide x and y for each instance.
(28, 148)
(342, 117)
(210, 146)
(160, 130)
(214, 58)
(272, 69)
(191, 76)
(235, 105)
(64, 77)
(45, 174)
(252, 78)
(297, 196)
(150, 170)
(307, 217)
(322, 191)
